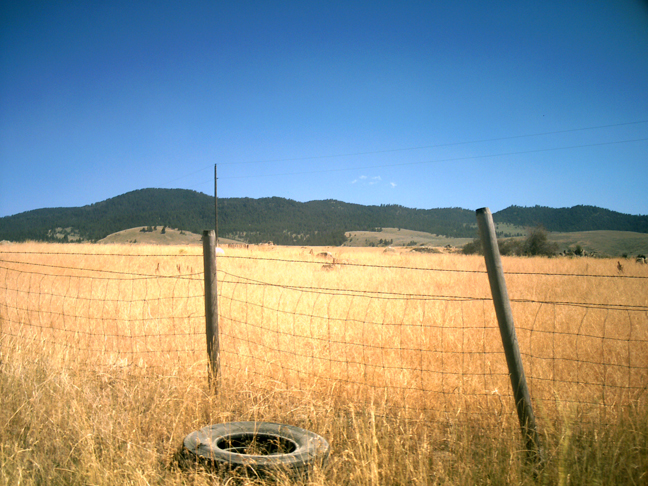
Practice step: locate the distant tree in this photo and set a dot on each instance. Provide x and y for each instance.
(538, 244)
(163, 230)
(510, 247)
(474, 247)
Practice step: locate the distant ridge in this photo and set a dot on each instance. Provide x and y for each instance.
(284, 221)
(176, 208)
(569, 220)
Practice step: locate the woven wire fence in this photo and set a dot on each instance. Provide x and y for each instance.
(97, 311)
(418, 339)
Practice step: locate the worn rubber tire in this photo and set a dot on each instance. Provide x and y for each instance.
(287, 448)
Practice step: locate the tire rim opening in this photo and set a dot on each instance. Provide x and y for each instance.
(257, 444)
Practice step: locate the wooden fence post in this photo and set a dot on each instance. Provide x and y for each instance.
(211, 305)
(507, 330)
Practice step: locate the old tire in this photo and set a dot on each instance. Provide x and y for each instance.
(260, 448)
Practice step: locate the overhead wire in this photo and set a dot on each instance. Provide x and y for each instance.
(453, 159)
(438, 145)
(421, 147)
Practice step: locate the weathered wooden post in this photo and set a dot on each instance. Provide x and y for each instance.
(211, 304)
(507, 330)
(210, 239)
(216, 203)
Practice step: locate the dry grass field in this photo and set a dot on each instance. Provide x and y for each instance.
(395, 358)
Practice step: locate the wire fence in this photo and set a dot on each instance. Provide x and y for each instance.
(422, 339)
(101, 310)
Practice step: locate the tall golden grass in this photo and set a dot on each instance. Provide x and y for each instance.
(395, 357)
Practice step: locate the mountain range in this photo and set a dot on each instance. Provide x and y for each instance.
(287, 222)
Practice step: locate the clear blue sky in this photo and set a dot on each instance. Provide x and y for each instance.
(424, 104)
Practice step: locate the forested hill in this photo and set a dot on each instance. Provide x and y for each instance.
(569, 220)
(283, 221)
(176, 208)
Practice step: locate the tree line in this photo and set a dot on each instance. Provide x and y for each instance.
(535, 244)
(287, 222)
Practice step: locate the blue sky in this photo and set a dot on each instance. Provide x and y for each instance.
(423, 104)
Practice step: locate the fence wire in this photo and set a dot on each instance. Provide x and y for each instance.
(417, 339)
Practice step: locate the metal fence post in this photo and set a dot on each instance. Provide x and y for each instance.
(507, 331)
(211, 305)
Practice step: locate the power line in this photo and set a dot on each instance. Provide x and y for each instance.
(451, 144)
(404, 149)
(454, 159)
